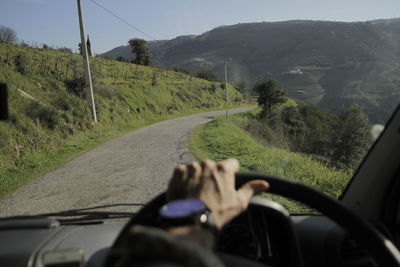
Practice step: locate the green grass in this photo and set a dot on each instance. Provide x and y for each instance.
(54, 124)
(221, 139)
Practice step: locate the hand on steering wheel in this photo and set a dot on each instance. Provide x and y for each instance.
(214, 184)
(382, 249)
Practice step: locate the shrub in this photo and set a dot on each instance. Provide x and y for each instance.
(106, 92)
(154, 79)
(64, 101)
(243, 87)
(352, 138)
(76, 86)
(238, 99)
(270, 95)
(207, 75)
(212, 88)
(21, 63)
(122, 59)
(65, 50)
(181, 70)
(47, 116)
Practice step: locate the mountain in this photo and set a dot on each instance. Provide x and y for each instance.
(330, 64)
(157, 49)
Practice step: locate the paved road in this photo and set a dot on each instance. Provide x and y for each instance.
(130, 169)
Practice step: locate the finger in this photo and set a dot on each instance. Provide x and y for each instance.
(252, 188)
(208, 167)
(227, 170)
(194, 172)
(229, 165)
(177, 183)
(179, 172)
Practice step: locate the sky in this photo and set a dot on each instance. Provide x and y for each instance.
(55, 22)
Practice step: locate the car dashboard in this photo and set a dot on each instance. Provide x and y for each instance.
(264, 235)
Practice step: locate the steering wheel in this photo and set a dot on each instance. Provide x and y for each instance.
(381, 248)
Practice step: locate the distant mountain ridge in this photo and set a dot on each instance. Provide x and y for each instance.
(330, 64)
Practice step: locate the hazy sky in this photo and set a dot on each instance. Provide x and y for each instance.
(55, 22)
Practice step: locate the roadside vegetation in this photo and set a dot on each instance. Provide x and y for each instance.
(50, 121)
(290, 139)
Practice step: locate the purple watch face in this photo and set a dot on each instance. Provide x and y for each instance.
(182, 208)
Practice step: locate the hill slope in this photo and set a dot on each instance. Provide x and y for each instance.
(221, 139)
(50, 121)
(340, 63)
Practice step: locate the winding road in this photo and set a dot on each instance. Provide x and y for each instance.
(129, 170)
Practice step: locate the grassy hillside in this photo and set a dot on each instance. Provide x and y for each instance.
(50, 121)
(221, 139)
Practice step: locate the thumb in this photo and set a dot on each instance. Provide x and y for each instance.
(248, 190)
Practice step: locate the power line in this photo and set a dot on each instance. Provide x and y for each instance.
(121, 19)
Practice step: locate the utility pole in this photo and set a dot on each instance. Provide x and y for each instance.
(86, 66)
(226, 82)
(226, 86)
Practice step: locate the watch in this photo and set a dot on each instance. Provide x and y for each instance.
(185, 212)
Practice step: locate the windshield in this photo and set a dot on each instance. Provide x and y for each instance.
(105, 98)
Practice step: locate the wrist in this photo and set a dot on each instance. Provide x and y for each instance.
(222, 216)
(185, 215)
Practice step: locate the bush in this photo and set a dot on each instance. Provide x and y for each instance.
(154, 79)
(306, 128)
(21, 63)
(48, 116)
(259, 130)
(65, 50)
(351, 138)
(270, 95)
(238, 99)
(67, 102)
(76, 86)
(181, 70)
(212, 88)
(243, 87)
(106, 92)
(207, 75)
(122, 59)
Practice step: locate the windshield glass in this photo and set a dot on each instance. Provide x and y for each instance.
(99, 95)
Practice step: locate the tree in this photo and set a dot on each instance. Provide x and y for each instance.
(270, 94)
(88, 47)
(294, 127)
(352, 138)
(122, 59)
(207, 75)
(242, 87)
(7, 35)
(139, 48)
